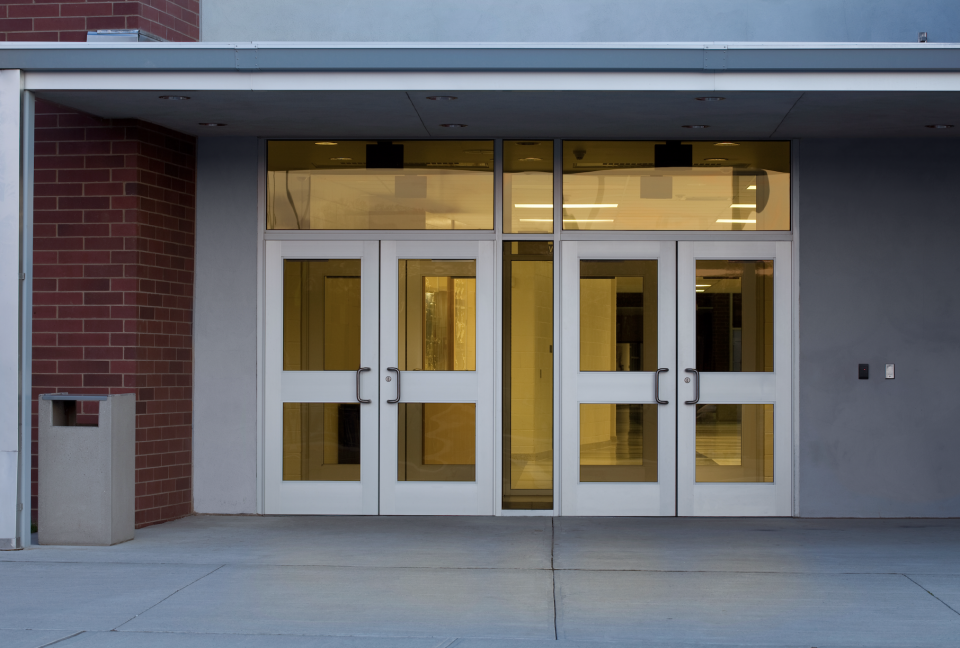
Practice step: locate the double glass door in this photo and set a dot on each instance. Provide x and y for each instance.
(378, 377)
(676, 378)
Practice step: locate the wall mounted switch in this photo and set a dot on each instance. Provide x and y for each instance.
(863, 371)
(889, 373)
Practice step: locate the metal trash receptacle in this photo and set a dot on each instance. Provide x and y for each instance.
(86, 472)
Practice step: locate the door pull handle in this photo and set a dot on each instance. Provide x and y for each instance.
(397, 399)
(359, 371)
(656, 387)
(696, 393)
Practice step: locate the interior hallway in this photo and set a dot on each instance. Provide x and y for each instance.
(478, 582)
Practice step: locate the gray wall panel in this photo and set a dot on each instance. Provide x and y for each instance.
(225, 331)
(580, 21)
(878, 284)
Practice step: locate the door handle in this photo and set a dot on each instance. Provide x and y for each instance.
(656, 387)
(359, 371)
(397, 399)
(696, 394)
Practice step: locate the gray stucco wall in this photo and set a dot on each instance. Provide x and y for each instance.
(580, 20)
(225, 330)
(878, 275)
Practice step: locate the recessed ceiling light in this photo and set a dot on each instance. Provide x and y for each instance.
(704, 285)
(752, 188)
(174, 97)
(736, 220)
(743, 206)
(700, 291)
(566, 205)
(939, 125)
(441, 98)
(695, 126)
(453, 125)
(528, 143)
(726, 144)
(530, 159)
(710, 98)
(211, 124)
(342, 159)
(325, 143)
(715, 160)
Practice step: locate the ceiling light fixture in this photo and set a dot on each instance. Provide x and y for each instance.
(536, 220)
(453, 125)
(478, 152)
(211, 124)
(704, 285)
(566, 205)
(695, 126)
(726, 144)
(174, 97)
(530, 159)
(342, 159)
(752, 188)
(325, 143)
(743, 206)
(587, 220)
(701, 291)
(736, 220)
(939, 126)
(710, 98)
(442, 98)
(715, 160)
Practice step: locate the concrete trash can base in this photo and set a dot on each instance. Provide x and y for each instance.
(86, 472)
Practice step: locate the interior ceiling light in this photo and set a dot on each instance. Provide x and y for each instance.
(736, 220)
(587, 220)
(742, 206)
(726, 144)
(701, 291)
(453, 125)
(442, 98)
(211, 124)
(695, 126)
(715, 159)
(704, 285)
(530, 159)
(939, 126)
(752, 188)
(710, 98)
(566, 206)
(174, 97)
(342, 159)
(325, 143)
(536, 220)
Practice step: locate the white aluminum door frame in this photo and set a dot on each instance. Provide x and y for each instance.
(436, 497)
(617, 498)
(320, 497)
(735, 499)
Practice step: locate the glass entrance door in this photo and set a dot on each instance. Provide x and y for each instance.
(378, 377)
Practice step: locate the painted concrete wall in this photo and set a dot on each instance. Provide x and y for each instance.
(580, 21)
(878, 277)
(225, 329)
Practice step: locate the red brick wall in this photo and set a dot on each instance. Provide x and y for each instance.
(113, 284)
(70, 20)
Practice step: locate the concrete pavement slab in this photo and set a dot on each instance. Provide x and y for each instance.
(946, 588)
(759, 545)
(751, 609)
(506, 542)
(77, 597)
(361, 601)
(31, 638)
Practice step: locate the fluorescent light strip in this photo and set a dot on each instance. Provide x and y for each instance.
(736, 220)
(704, 285)
(752, 187)
(567, 206)
(699, 291)
(567, 220)
(742, 206)
(536, 220)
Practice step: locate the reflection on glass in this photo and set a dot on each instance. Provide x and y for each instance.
(437, 315)
(321, 315)
(437, 442)
(734, 315)
(375, 185)
(321, 442)
(528, 186)
(618, 315)
(618, 442)
(676, 185)
(734, 443)
(528, 375)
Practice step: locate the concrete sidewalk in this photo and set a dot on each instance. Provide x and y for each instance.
(349, 582)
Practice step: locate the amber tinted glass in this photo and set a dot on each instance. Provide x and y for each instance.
(734, 443)
(437, 315)
(528, 375)
(380, 185)
(618, 315)
(676, 185)
(321, 442)
(437, 442)
(618, 442)
(734, 315)
(528, 186)
(321, 315)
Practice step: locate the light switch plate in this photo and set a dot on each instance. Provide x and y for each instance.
(889, 372)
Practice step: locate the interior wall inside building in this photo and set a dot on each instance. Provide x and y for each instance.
(878, 236)
(225, 330)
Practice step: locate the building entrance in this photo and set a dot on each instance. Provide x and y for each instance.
(676, 378)
(379, 377)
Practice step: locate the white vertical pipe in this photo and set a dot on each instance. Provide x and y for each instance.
(10, 280)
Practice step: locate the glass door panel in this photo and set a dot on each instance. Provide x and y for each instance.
(734, 347)
(436, 415)
(619, 324)
(320, 442)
